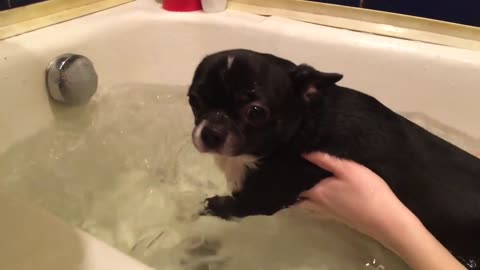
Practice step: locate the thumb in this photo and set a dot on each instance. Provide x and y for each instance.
(330, 163)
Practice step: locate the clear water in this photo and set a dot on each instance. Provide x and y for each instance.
(123, 169)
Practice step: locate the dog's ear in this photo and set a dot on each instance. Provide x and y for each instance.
(309, 82)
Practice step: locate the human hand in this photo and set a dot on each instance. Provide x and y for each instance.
(356, 196)
(362, 200)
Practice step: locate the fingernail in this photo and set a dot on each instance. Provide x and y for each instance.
(312, 155)
(308, 155)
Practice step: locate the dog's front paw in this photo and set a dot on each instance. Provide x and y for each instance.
(221, 206)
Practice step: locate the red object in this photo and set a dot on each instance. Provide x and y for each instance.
(182, 5)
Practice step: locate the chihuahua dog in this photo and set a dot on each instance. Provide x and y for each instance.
(258, 113)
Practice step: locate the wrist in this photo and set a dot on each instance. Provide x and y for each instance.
(397, 230)
(406, 236)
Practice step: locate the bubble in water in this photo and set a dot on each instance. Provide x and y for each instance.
(374, 265)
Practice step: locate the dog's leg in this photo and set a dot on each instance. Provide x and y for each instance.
(255, 200)
(224, 207)
(228, 207)
(267, 190)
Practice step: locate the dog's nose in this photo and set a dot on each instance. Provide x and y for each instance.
(212, 138)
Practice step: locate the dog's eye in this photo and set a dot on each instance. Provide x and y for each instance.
(257, 115)
(193, 101)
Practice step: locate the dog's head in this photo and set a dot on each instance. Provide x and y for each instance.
(245, 102)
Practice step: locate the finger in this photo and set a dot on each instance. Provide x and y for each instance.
(316, 193)
(327, 162)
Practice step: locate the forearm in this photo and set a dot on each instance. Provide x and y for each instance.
(410, 240)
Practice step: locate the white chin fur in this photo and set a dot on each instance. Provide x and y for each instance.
(235, 168)
(197, 138)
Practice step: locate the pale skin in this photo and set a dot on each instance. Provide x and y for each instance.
(369, 206)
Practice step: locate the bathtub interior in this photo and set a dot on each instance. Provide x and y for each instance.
(138, 49)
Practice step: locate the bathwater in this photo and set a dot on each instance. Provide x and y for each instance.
(123, 168)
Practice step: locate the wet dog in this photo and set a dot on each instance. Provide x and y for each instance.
(257, 113)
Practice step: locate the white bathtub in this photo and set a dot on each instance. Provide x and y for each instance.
(139, 42)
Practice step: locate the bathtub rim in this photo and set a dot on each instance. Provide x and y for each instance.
(20, 20)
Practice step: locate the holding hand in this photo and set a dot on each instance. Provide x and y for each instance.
(362, 200)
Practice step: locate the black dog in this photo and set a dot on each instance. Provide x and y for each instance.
(258, 113)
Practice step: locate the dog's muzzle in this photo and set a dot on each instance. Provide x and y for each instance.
(209, 137)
